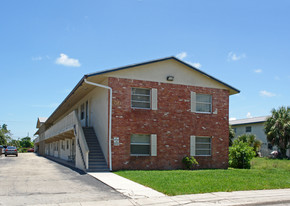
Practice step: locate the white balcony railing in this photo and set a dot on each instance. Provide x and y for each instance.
(71, 122)
(64, 125)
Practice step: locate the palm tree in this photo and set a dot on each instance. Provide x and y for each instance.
(277, 129)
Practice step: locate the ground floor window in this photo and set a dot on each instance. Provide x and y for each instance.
(203, 146)
(200, 146)
(140, 145)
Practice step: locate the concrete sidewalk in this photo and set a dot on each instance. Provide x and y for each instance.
(126, 186)
(141, 195)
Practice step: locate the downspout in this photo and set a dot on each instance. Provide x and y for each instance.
(110, 117)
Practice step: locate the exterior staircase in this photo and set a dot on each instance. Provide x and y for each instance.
(97, 162)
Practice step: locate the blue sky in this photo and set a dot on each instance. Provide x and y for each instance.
(47, 46)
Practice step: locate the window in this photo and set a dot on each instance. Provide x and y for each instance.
(140, 145)
(203, 103)
(248, 129)
(67, 144)
(82, 111)
(62, 145)
(140, 98)
(200, 146)
(203, 146)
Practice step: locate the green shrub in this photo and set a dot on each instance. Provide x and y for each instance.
(189, 162)
(240, 155)
(251, 140)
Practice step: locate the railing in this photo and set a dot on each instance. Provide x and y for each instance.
(71, 122)
(81, 141)
(65, 124)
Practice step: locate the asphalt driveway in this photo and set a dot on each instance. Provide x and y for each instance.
(33, 180)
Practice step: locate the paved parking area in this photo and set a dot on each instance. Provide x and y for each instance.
(34, 180)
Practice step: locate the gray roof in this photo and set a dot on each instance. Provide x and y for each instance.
(249, 120)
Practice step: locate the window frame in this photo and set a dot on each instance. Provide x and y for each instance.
(210, 144)
(248, 127)
(150, 98)
(196, 102)
(149, 144)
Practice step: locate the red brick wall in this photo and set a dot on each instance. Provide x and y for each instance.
(173, 123)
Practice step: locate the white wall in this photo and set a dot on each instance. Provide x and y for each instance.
(99, 117)
(158, 72)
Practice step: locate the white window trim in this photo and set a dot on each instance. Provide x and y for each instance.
(154, 99)
(193, 146)
(204, 103)
(150, 99)
(194, 103)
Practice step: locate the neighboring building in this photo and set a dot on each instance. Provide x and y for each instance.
(254, 126)
(143, 116)
(40, 122)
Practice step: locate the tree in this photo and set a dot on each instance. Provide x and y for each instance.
(4, 135)
(277, 129)
(25, 142)
(251, 140)
(231, 135)
(15, 143)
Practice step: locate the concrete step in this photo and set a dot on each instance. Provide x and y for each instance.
(97, 160)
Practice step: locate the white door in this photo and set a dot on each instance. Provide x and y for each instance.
(84, 115)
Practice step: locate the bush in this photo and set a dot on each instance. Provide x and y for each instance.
(189, 162)
(240, 155)
(251, 140)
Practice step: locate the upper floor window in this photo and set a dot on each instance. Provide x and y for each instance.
(140, 98)
(203, 103)
(248, 129)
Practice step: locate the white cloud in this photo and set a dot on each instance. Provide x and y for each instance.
(258, 70)
(233, 118)
(249, 115)
(234, 57)
(195, 64)
(264, 93)
(181, 55)
(66, 61)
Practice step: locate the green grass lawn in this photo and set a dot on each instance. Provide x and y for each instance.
(265, 174)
